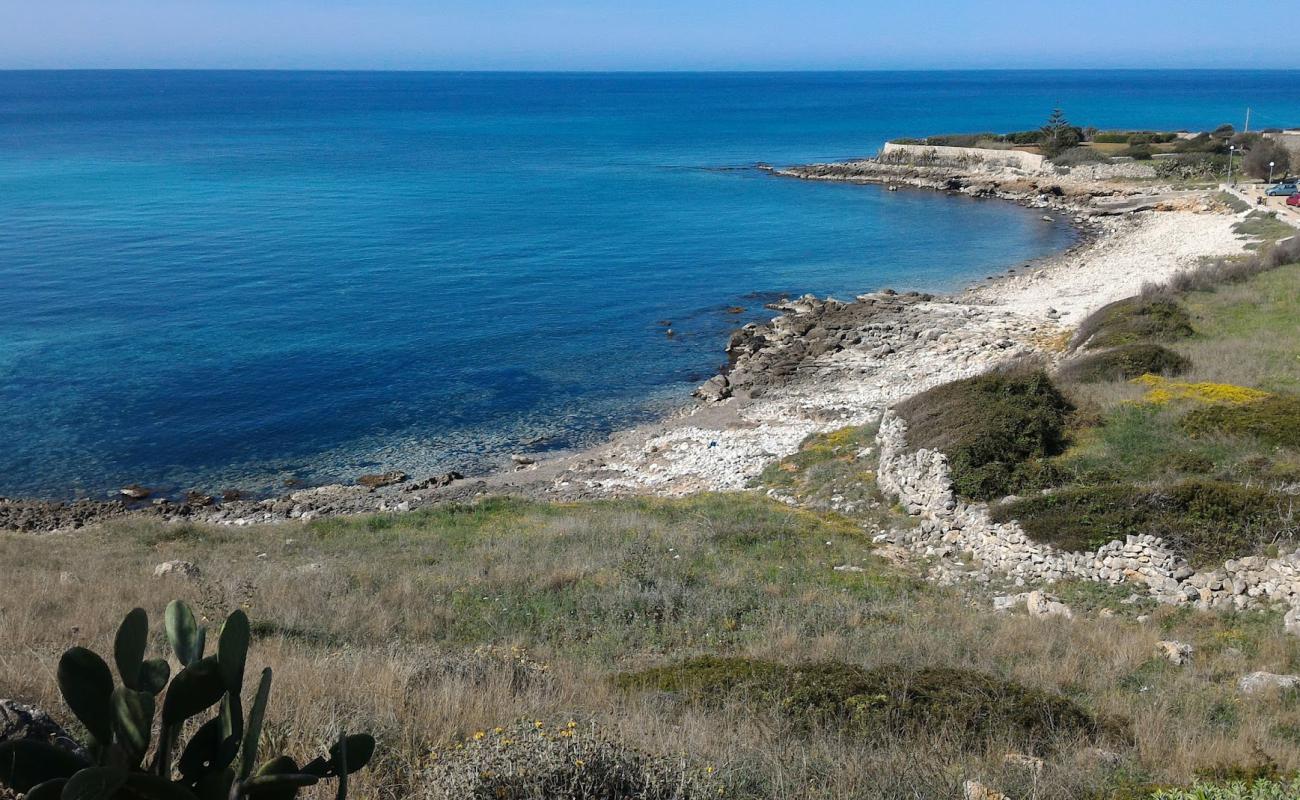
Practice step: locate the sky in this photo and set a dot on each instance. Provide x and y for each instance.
(643, 34)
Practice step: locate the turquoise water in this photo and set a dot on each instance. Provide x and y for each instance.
(237, 279)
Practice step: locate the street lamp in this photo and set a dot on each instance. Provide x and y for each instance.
(1270, 172)
(1231, 152)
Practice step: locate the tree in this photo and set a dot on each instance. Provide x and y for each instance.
(1265, 151)
(1224, 131)
(1059, 135)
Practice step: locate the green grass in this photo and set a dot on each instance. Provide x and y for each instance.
(1264, 227)
(1233, 202)
(688, 573)
(1247, 333)
(835, 472)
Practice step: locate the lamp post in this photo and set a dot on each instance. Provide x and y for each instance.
(1271, 164)
(1231, 152)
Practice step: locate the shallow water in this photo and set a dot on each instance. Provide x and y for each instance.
(238, 279)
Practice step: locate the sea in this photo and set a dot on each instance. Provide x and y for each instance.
(255, 280)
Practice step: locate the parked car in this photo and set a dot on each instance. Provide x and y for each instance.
(1283, 190)
(1294, 200)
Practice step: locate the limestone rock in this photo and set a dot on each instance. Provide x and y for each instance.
(1261, 682)
(974, 790)
(18, 721)
(382, 479)
(1178, 653)
(177, 569)
(1044, 605)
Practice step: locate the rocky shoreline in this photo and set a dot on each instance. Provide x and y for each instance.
(820, 364)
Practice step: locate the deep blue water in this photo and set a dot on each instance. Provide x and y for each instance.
(232, 279)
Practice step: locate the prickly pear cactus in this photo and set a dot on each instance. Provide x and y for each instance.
(121, 760)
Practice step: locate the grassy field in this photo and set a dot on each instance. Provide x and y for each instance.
(435, 630)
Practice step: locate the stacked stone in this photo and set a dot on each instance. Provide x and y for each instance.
(922, 482)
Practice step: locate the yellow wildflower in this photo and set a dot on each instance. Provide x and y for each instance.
(1162, 390)
(479, 735)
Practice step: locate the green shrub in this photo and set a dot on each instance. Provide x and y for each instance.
(1207, 522)
(1138, 152)
(1077, 156)
(1236, 790)
(1124, 363)
(996, 429)
(531, 760)
(1192, 167)
(1132, 320)
(888, 701)
(1275, 420)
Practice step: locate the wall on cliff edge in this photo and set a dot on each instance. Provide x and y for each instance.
(965, 157)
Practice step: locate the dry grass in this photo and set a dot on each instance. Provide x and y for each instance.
(427, 628)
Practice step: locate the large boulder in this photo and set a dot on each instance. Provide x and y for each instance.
(1262, 682)
(19, 721)
(382, 479)
(177, 569)
(1178, 653)
(1040, 604)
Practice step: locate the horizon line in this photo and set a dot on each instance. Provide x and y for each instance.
(659, 71)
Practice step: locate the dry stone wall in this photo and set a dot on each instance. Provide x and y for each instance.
(950, 529)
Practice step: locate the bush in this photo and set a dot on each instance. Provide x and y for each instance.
(1266, 789)
(532, 761)
(996, 428)
(887, 702)
(1077, 156)
(1223, 271)
(1274, 420)
(1206, 522)
(1138, 152)
(1267, 150)
(1124, 363)
(1133, 320)
(1197, 167)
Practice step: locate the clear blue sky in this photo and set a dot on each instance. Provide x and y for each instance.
(645, 34)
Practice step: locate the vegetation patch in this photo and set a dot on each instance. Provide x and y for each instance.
(1265, 789)
(833, 472)
(888, 701)
(1125, 363)
(1264, 227)
(532, 759)
(1161, 390)
(1207, 522)
(1274, 419)
(997, 430)
(1132, 320)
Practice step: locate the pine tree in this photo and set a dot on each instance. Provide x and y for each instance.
(1058, 134)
